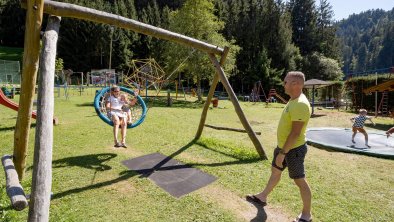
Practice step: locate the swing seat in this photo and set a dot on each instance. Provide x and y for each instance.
(138, 111)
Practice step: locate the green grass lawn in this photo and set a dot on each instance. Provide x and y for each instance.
(91, 184)
(9, 53)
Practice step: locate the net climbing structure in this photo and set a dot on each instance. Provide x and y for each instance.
(145, 74)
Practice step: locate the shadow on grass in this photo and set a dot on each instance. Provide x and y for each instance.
(261, 215)
(238, 156)
(93, 161)
(95, 115)
(123, 176)
(85, 104)
(162, 102)
(317, 115)
(33, 125)
(96, 162)
(159, 166)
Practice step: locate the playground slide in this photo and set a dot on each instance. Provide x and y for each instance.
(10, 104)
(281, 98)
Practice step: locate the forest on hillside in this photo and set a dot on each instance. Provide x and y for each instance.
(367, 41)
(266, 38)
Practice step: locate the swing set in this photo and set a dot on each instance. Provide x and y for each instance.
(258, 90)
(42, 162)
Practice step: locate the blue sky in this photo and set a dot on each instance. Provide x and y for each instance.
(344, 8)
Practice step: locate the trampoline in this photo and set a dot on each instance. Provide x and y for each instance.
(340, 139)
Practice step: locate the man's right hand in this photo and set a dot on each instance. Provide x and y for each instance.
(279, 160)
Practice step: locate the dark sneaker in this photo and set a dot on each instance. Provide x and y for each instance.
(118, 145)
(124, 145)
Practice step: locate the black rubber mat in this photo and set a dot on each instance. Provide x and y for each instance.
(171, 175)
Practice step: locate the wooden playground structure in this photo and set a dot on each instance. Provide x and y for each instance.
(144, 74)
(258, 92)
(42, 170)
(384, 88)
(363, 91)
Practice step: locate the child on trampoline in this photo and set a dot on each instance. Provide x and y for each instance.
(127, 104)
(358, 125)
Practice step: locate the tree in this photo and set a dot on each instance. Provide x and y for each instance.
(386, 55)
(86, 45)
(362, 58)
(59, 64)
(304, 19)
(369, 28)
(317, 66)
(125, 39)
(327, 40)
(196, 19)
(278, 37)
(12, 23)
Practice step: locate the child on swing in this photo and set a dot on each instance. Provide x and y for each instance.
(128, 103)
(358, 125)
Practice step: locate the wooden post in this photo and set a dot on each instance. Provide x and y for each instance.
(84, 13)
(237, 107)
(31, 51)
(14, 189)
(42, 170)
(210, 95)
(229, 129)
(176, 89)
(169, 99)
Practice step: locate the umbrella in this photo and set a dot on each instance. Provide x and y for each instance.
(312, 84)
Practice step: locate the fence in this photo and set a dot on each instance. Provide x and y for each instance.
(10, 72)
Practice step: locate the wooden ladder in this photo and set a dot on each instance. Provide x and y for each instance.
(384, 103)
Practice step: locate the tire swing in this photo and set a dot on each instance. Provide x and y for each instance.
(138, 111)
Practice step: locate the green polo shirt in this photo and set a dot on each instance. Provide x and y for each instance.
(297, 109)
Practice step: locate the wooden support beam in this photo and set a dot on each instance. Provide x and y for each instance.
(210, 95)
(42, 171)
(30, 63)
(229, 129)
(237, 107)
(13, 188)
(88, 14)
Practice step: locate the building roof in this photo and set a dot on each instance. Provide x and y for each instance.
(385, 86)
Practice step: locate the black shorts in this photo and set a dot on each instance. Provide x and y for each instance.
(294, 160)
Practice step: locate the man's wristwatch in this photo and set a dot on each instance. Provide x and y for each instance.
(282, 152)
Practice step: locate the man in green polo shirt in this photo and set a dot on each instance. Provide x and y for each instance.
(292, 147)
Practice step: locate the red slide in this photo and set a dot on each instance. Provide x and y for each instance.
(10, 104)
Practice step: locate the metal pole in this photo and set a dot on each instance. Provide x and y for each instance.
(146, 88)
(376, 95)
(110, 49)
(313, 98)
